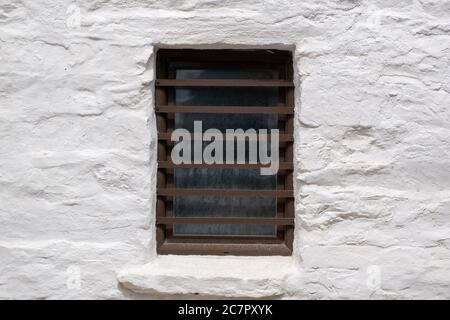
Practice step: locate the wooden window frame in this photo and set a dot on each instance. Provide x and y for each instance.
(165, 109)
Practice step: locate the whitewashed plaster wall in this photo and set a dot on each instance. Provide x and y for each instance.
(77, 139)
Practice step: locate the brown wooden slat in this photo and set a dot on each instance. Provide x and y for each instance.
(161, 122)
(220, 238)
(201, 63)
(170, 127)
(226, 55)
(223, 83)
(282, 137)
(238, 249)
(289, 179)
(225, 109)
(171, 165)
(233, 220)
(225, 192)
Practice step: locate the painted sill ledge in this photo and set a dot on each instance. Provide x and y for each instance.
(228, 276)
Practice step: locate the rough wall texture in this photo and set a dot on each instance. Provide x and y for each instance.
(77, 138)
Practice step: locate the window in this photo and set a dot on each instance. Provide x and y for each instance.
(225, 206)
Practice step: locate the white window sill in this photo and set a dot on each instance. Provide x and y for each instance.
(227, 276)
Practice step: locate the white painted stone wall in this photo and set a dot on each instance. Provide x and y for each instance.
(77, 140)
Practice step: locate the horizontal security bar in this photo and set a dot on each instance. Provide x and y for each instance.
(225, 192)
(171, 165)
(223, 83)
(282, 137)
(225, 109)
(233, 220)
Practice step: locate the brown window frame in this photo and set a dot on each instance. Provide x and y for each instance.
(165, 109)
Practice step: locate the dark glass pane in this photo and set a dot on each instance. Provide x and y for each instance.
(226, 96)
(214, 178)
(224, 229)
(205, 206)
(230, 73)
(209, 178)
(209, 206)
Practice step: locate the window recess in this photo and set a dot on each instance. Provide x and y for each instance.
(224, 208)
